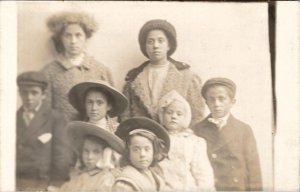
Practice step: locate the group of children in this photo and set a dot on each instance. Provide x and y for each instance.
(139, 154)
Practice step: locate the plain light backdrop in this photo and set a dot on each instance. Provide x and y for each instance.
(216, 39)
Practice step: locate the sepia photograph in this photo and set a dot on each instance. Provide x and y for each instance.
(143, 96)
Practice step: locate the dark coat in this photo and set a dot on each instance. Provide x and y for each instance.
(233, 155)
(49, 161)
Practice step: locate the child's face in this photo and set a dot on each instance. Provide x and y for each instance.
(140, 152)
(157, 45)
(92, 152)
(174, 116)
(219, 101)
(31, 96)
(96, 105)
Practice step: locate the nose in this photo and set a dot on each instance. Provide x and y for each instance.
(174, 115)
(73, 39)
(29, 96)
(90, 156)
(142, 153)
(94, 106)
(217, 102)
(155, 44)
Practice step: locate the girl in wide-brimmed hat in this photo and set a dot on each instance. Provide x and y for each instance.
(187, 168)
(146, 143)
(97, 103)
(90, 142)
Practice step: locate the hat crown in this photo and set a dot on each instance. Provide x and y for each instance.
(218, 81)
(32, 78)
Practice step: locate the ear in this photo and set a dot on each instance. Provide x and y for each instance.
(109, 107)
(233, 101)
(44, 94)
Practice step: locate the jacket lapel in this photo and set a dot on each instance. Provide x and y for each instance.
(36, 123)
(173, 80)
(227, 134)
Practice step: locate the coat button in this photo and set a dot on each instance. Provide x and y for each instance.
(232, 167)
(235, 180)
(214, 155)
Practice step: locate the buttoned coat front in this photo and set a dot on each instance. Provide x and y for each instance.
(233, 155)
(41, 159)
(179, 77)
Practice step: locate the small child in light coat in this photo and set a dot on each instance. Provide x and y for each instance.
(187, 167)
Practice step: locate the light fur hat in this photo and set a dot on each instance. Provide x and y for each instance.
(169, 98)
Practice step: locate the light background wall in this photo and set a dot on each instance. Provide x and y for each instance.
(216, 39)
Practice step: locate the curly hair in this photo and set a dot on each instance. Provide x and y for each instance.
(158, 148)
(58, 23)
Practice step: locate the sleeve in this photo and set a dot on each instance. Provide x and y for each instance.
(195, 99)
(252, 162)
(122, 186)
(47, 72)
(61, 153)
(200, 166)
(127, 92)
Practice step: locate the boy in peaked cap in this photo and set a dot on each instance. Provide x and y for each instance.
(42, 146)
(231, 146)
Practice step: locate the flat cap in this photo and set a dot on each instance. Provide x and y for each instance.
(218, 81)
(34, 78)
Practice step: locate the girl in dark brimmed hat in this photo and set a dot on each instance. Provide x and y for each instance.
(90, 143)
(160, 74)
(146, 144)
(98, 103)
(70, 34)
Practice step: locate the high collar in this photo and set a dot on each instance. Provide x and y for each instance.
(65, 62)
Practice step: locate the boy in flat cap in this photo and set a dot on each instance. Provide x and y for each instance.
(42, 146)
(231, 146)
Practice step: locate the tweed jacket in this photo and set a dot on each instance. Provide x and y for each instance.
(46, 159)
(131, 180)
(179, 77)
(62, 76)
(233, 155)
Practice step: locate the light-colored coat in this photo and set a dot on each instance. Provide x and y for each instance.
(233, 155)
(179, 78)
(187, 167)
(62, 76)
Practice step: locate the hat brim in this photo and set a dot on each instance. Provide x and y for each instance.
(77, 93)
(143, 123)
(79, 129)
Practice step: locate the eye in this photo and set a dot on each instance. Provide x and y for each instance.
(100, 102)
(161, 40)
(169, 112)
(79, 35)
(179, 113)
(150, 41)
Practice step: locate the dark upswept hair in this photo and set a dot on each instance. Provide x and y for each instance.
(158, 147)
(58, 22)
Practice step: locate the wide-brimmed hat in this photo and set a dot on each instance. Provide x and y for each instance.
(145, 123)
(77, 93)
(79, 129)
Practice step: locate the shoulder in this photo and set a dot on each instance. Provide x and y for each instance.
(238, 123)
(133, 73)
(179, 64)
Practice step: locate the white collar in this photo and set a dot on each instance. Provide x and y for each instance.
(36, 109)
